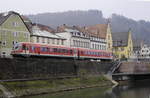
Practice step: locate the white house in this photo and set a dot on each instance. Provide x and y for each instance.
(45, 35)
(75, 38)
(144, 52)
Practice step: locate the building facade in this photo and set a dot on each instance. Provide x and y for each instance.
(109, 38)
(122, 45)
(12, 30)
(144, 53)
(96, 37)
(100, 36)
(75, 37)
(45, 35)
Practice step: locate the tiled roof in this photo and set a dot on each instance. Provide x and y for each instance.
(4, 16)
(44, 27)
(45, 31)
(25, 18)
(120, 39)
(63, 28)
(99, 30)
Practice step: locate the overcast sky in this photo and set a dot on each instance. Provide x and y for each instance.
(136, 9)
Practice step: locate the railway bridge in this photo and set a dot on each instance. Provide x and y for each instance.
(131, 71)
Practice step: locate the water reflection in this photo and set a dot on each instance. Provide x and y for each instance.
(139, 90)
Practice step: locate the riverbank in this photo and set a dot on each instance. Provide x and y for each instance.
(27, 88)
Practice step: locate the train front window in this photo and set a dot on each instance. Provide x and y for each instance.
(17, 46)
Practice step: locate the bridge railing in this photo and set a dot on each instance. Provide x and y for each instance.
(115, 66)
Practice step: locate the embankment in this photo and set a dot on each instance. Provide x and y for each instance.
(27, 88)
(29, 68)
(87, 74)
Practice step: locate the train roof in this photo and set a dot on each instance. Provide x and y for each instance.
(46, 45)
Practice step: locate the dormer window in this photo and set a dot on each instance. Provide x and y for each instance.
(83, 34)
(72, 33)
(75, 33)
(25, 35)
(78, 33)
(3, 43)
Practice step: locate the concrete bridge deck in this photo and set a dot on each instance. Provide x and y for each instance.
(131, 71)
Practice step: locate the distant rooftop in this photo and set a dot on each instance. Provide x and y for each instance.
(120, 39)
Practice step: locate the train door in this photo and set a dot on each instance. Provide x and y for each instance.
(25, 49)
(78, 53)
(75, 53)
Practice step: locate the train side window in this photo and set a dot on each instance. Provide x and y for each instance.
(55, 49)
(66, 51)
(89, 53)
(93, 53)
(85, 52)
(81, 52)
(99, 54)
(62, 50)
(32, 48)
(102, 54)
(43, 49)
(46, 49)
(96, 53)
(50, 50)
(59, 50)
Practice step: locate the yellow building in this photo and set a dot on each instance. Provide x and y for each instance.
(109, 38)
(122, 45)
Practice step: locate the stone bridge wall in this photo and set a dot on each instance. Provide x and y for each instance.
(134, 67)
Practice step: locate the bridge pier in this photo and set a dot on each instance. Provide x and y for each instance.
(130, 77)
(121, 77)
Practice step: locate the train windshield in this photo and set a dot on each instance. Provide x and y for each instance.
(17, 46)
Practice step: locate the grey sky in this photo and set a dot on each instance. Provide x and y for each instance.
(136, 9)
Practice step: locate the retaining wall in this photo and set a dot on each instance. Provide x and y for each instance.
(20, 68)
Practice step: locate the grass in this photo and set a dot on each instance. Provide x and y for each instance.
(47, 86)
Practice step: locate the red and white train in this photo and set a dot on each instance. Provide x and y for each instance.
(32, 49)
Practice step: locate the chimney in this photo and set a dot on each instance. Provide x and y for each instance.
(64, 24)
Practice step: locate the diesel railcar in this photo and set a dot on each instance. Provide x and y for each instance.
(32, 49)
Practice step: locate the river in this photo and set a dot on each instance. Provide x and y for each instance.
(138, 90)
